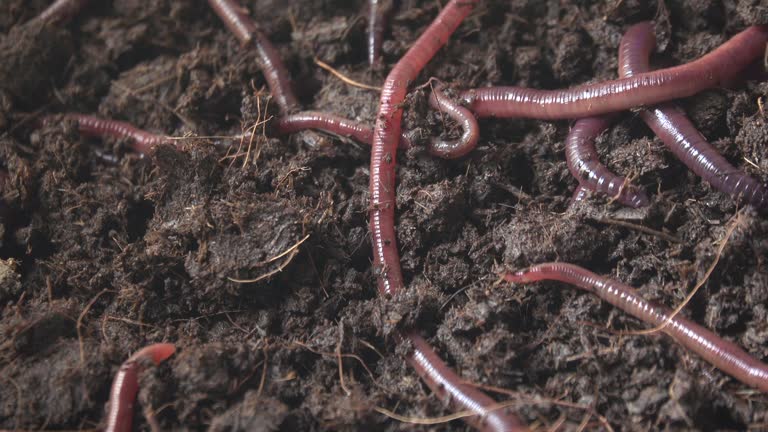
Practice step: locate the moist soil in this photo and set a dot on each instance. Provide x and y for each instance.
(104, 252)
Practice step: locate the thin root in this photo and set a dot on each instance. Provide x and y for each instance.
(735, 222)
(343, 77)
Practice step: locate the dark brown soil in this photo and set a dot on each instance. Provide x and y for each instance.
(102, 258)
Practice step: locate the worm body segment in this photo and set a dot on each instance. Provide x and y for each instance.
(332, 124)
(584, 164)
(470, 131)
(236, 19)
(142, 141)
(719, 66)
(61, 10)
(669, 122)
(724, 355)
(122, 396)
(378, 12)
(450, 388)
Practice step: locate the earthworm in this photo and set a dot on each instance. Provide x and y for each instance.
(588, 100)
(450, 388)
(723, 354)
(669, 122)
(386, 260)
(122, 396)
(142, 141)
(382, 212)
(378, 12)
(452, 149)
(579, 194)
(61, 10)
(236, 19)
(584, 164)
(332, 124)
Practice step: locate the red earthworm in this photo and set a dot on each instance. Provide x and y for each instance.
(670, 123)
(649, 88)
(386, 260)
(450, 388)
(382, 212)
(452, 149)
(332, 124)
(584, 164)
(723, 354)
(378, 12)
(88, 125)
(61, 10)
(122, 396)
(236, 19)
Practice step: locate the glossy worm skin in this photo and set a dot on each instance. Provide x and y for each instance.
(583, 163)
(332, 124)
(61, 10)
(382, 211)
(670, 123)
(378, 12)
(386, 260)
(579, 194)
(453, 149)
(588, 100)
(450, 388)
(122, 396)
(142, 141)
(723, 354)
(236, 19)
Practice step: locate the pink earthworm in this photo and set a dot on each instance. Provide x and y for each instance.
(332, 124)
(723, 354)
(453, 149)
(378, 12)
(122, 396)
(669, 122)
(236, 19)
(142, 141)
(719, 66)
(579, 194)
(61, 10)
(386, 260)
(583, 163)
(382, 212)
(450, 388)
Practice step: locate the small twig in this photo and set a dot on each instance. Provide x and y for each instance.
(268, 274)
(641, 228)
(371, 347)
(263, 371)
(80, 323)
(343, 77)
(443, 419)
(291, 252)
(333, 354)
(699, 284)
(129, 321)
(290, 249)
(539, 400)
(338, 357)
